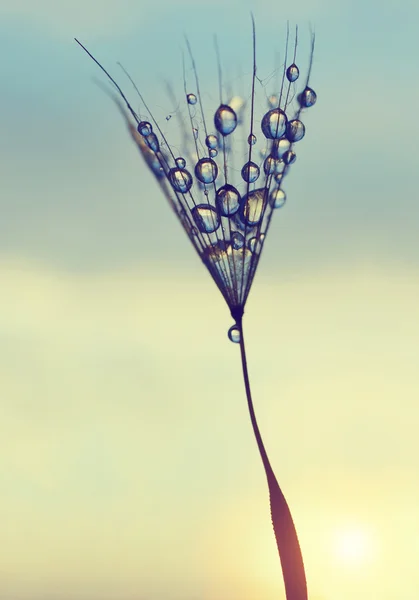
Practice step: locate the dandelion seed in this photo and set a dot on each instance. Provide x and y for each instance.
(227, 215)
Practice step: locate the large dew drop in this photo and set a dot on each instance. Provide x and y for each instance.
(211, 141)
(145, 128)
(227, 200)
(225, 119)
(272, 165)
(234, 334)
(253, 207)
(206, 218)
(307, 97)
(206, 170)
(180, 162)
(279, 147)
(293, 72)
(295, 130)
(277, 198)
(289, 157)
(180, 179)
(274, 124)
(250, 172)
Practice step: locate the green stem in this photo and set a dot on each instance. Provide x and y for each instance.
(283, 525)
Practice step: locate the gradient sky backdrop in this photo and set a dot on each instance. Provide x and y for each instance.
(127, 465)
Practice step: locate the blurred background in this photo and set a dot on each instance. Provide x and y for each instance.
(128, 469)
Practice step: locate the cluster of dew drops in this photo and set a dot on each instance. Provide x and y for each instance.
(244, 212)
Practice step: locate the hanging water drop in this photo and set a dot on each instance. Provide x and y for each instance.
(237, 240)
(234, 334)
(206, 170)
(289, 157)
(213, 152)
(253, 207)
(273, 101)
(251, 140)
(211, 141)
(206, 218)
(295, 130)
(293, 73)
(250, 172)
(180, 162)
(279, 147)
(273, 165)
(191, 98)
(180, 179)
(274, 124)
(152, 142)
(225, 119)
(145, 128)
(307, 97)
(227, 200)
(252, 244)
(277, 198)
(195, 133)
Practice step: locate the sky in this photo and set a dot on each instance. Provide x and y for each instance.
(128, 469)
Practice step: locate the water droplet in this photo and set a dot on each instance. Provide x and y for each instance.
(253, 207)
(278, 177)
(289, 157)
(234, 334)
(293, 72)
(273, 165)
(225, 119)
(236, 103)
(279, 147)
(180, 162)
(213, 152)
(227, 200)
(251, 140)
(206, 170)
(195, 133)
(206, 218)
(295, 130)
(307, 97)
(180, 179)
(273, 101)
(252, 244)
(191, 98)
(237, 240)
(152, 142)
(277, 198)
(168, 117)
(145, 128)
(250, 172)
(262, 238)
(211, 141)
(274, 124)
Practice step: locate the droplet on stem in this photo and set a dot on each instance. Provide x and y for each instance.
(234, 334)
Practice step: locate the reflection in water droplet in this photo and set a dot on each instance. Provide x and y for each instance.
(191, 98)
(206, 170)
(289, 157)
(278, 177)
(234, 334)
(273, 101)
(252, 244)
(293, 72)
(279, 147)
(206, 218)
(180, 179)
(307, 97)
(195, 133)
(273, 165)
(213, 152)
(295, 130)
(251, 140)
(253, 207)
(277, 198)
(274, 123)
(227, 200)
(152, 142)
(237, 240)
(225, 119)
(145, 128)
(250, 172)
(211, 141)
(180, 162)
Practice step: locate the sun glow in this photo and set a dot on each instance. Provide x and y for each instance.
(353, 546)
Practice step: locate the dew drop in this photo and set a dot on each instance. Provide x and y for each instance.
(234, 334)
(152, 142)
(278, 177)
(274, 124)
(252, 244)
(191, 98)
(277, 198)
(279, 147)
(251, 140)
(289, 157)
(236, 103)
(206, 170)
(225, 119)
(237, 240)
(273, 101)
(213, 152)
(206, 218)
(273, 165)
(227, 200)
(250, 172)
(253, 207)
(145, 128)
(295, 130)
(262, 238)
(195, 133)
(293, 72)
(180, 179)
(180, 162)
(211, 141)
(307, 97)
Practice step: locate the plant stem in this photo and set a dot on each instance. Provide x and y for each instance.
(283, 525)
